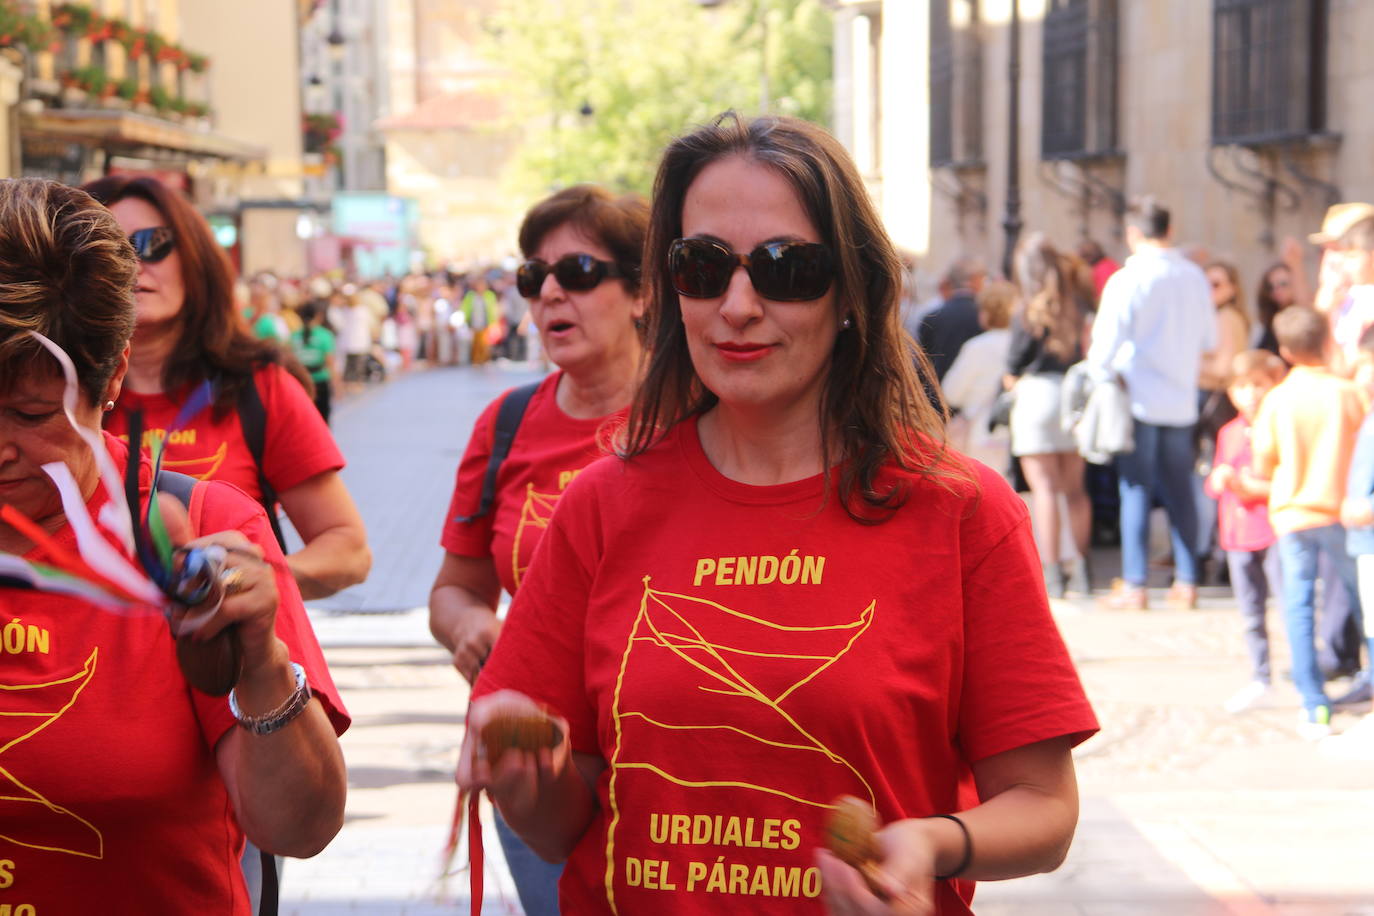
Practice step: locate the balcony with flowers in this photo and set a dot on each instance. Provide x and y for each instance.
(104, 82)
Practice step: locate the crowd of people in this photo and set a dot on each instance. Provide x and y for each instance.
(1257, 487)
(349, 334)
(754, 571)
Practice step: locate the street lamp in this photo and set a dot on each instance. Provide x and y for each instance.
(1011, 219)
(336, 42)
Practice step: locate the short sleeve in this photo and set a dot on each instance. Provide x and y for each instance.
(541, 649)
(1019, 684)
(472, 538)
(227, 508)
(298, 443)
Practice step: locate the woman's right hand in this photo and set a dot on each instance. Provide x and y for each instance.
(517, 779)
(473, 635)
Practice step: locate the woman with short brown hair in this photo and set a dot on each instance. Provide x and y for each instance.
(582, 278)
(139, 796)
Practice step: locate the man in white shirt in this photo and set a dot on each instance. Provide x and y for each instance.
(1154, 324)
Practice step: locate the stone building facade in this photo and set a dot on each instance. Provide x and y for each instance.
(1246, 117)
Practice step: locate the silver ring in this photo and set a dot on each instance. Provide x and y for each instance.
(231, 580)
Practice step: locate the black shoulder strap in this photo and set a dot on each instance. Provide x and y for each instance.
(508, 417)
(253, 420)
(181, 486)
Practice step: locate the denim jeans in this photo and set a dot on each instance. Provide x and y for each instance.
(536, 881)
(1254, 577)
(1298, 555)
(1161, 463)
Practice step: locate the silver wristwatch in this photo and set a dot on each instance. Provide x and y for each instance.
(280, 717)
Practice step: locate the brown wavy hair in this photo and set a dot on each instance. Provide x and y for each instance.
(874, 410)
(1049, 282)
(68, 272)
(214, 342)
(1266, 305)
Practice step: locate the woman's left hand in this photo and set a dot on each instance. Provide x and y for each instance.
(906, 874)
(248, 584)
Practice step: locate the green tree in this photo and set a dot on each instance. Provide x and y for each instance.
(598, 87)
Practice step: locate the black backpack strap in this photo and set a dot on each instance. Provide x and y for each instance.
(508, 417)
(253, 420)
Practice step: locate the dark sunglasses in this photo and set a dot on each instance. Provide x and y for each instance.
(576, 272)
(782, 271)
(153, 244)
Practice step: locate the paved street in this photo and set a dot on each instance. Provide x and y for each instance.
(1187, 811)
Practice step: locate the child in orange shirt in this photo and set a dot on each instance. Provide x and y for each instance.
(1304, 436)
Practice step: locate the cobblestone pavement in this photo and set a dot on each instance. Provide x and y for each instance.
(1186, 810)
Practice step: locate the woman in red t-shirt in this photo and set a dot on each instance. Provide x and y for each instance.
(124, 790)
(581, 276)
(189, 331)
(784, 590)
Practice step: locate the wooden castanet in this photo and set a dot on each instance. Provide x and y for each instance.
(213, 665)
(522, 731)
(852, 835)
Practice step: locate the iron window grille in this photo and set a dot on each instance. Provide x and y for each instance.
(956, 85)
(1268, 70)
(1079, 92)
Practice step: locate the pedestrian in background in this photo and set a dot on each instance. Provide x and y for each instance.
(1215, 409)
(782, 564)
(1283, 283)
(1153, 326)
(954, 322)
(1304, 436)
(1357, 516)
(1101, 266)
(582, 279)
(317, 350)
(1048, 333)
(1243, 525)
(972, 384)
(188, 333)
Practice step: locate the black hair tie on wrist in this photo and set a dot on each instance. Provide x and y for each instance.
(968, 849)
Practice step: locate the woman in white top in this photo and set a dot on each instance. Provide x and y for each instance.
(971, 385)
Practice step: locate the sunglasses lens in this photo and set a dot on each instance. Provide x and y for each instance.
(529, 278)
(153, 244)
(791, 271)
(578, 272)
(700, 269)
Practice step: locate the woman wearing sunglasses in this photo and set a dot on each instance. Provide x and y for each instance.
(784, 590)
(261, 431)
(123, 790)
(582, 248)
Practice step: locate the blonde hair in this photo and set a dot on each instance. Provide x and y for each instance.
(1250, 364)
(995, 304)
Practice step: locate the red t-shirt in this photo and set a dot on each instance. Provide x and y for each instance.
(549, 450)
(1241, 524)
(297, 444)
(110, 799)
(741, 656)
